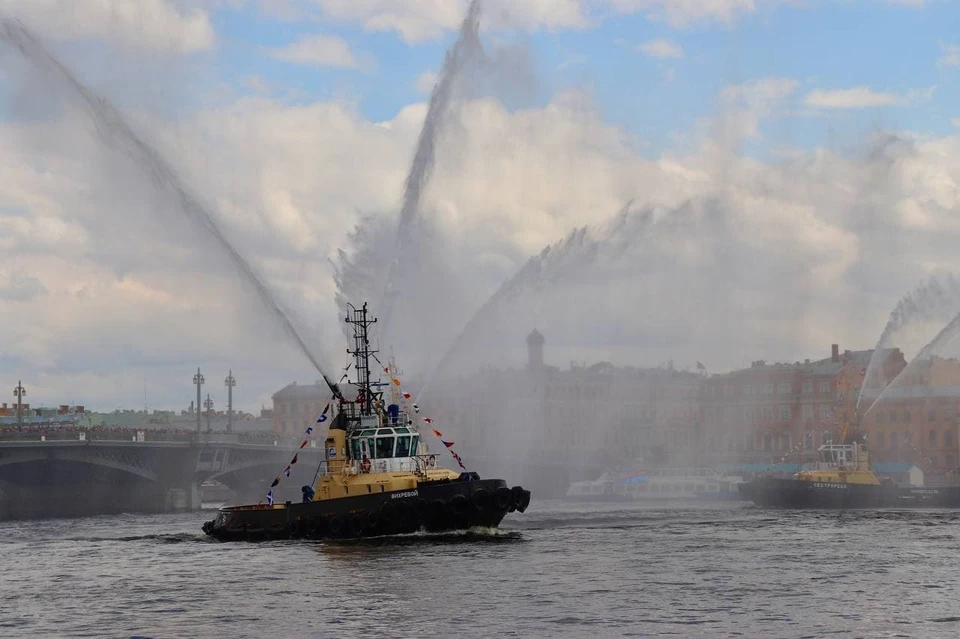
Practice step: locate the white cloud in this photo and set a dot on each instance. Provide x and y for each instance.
(320, 50)
(684, 13)
(862, 97)
(426, 82)
(951, 55)
(419, 20)
(743, 106)
(148, 24)
(661, 48)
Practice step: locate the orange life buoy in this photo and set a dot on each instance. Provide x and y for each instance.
(365, 466)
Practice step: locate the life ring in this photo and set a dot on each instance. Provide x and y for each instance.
(432, 461)
(503, 499)
(365, 466)
(481, 500)
(459, 506)
(335, 526)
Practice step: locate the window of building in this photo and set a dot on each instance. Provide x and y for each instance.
(880, 440)
(880, 417)
(824, 387)
(784, 388)
(768, 388)
(906, 416)
(768, 413)
(749, 389)
(729, 390)
(826, 437)
(933, 461)
(712, 390)
(907, 438)
(785, 413)
(947, 413)
(784, 441)
(933, 438)
(807, 388)
(825, 412)
(767, 443)
(931, 415)
(947, 438)
(808, 411)
(893, 416)
(893, 440)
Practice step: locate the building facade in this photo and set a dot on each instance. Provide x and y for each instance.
(297, 406)
(915, 419)
(770, 412)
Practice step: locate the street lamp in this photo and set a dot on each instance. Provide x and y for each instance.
(198, 380)
(230, 382)
(208, 404)
(19, 392)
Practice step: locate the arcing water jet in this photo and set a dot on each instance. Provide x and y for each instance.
(113, 130)
(466, 48)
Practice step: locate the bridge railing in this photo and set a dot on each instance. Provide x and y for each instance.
(145, 435)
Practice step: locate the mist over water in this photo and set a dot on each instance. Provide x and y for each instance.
(114, 131)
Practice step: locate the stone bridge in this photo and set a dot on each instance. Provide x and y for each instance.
(87, 472)
(83, 473)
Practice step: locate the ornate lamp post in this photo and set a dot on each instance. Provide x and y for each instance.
(208, 404)
(230, 382)
(198, 380)
(19, 392)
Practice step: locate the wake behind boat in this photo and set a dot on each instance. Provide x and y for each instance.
(376, 479)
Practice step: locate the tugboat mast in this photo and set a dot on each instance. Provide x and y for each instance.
(361, 354)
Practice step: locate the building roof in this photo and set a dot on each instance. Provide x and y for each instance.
(316, 391)
(826, 366)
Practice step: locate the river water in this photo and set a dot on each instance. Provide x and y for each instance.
(728, 570)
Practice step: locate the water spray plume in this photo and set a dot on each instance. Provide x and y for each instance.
(113, 129)
(463, 50)
(935, 299)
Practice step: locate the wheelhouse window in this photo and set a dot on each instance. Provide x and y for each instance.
(403, 446)
(414, 444)
(385, 447)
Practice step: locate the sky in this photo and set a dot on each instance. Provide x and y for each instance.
(757, 179)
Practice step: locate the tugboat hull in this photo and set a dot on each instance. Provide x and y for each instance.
(432, 506)
(793, 493)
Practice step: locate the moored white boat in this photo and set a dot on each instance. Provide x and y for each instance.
(659, 484)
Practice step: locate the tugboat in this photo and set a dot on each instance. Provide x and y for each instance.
(377, 477)
(844, 479)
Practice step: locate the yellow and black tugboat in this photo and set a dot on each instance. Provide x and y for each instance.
(376, 478)
(843, 478)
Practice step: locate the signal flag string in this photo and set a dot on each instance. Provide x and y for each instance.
(411, 405)
(309, 431)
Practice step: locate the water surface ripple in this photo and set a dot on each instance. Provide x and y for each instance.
(559, 570)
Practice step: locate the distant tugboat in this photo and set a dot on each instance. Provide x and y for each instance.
(373, 481)
(844, 479)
